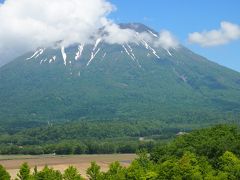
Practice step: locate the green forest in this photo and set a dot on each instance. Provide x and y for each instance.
(87, 137)
(209, 153)
(92, 136)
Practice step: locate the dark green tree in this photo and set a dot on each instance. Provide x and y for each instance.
(24, 172)
(93, 172)
(4, 175)
(48, 174)
(71, 173)
(115, 172)
(141, 168)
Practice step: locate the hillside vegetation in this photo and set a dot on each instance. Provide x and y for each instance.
(177, 89)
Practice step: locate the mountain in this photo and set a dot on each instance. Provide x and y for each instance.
(102, 81)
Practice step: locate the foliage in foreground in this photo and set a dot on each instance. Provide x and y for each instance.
(189, 166)
(198, 155)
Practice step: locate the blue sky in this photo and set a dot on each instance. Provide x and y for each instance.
(182, 17)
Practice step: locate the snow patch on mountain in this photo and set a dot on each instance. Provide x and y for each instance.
(96, 44)
(104, 55)
(93, 55)
(128, 53)
(148, 47)
(52, 59)
(37, 53)
(79, 52)
(155, 35)
(170, 54)
(64, 55)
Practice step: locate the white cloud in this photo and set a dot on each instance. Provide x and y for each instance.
(166, 40)
(227, 32)
(114, 34)
(29, 24)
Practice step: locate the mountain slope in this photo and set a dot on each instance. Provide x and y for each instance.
(111, 81)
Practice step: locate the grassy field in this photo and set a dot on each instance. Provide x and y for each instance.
(82, 162)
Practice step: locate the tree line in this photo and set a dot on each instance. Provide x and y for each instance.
(86, 137)
(75, 147)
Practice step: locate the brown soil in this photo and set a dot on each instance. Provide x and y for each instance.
(81, 162)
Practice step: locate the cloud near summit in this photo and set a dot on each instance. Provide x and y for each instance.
(29, 24)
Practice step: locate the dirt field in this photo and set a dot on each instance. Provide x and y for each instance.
(82, 162)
